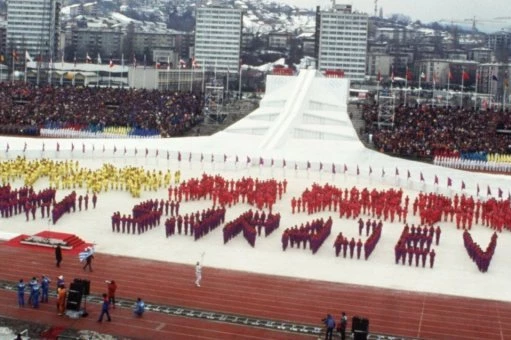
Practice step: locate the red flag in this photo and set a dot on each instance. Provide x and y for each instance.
(449, 181)
(308, 165)
(409, 175)
(382, 172)
(272, 163)
(212, 158)
(422, 177)
(436, 179)
(248, 159)
(397, 171)
(333, 168)
(358, 171)
(488, 191)
(58, 147)
(345, 168)
(462, 185)
(378, 76)
(225, 158)
(201, 157)
(409, 75)
(500, 193)
(449, 74)
(370, 170)
(261, 161)
(478, 189)
(283, 163)
(179, 156)
(465, 75)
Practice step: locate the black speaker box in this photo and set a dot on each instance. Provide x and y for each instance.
(364, 325)
(84, 284)
(355, 323)
(74, 299)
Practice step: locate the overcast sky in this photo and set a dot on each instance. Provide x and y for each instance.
(429, 10)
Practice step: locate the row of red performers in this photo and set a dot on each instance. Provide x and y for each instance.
(15, 202)
(262, 194)
(246, 223)
(341, 244)
(384, 204)
(493, 213)
(416, 244)
(314, 233)
(67, 204)
(207, 221)
(169, 207)
(370, 225)
(480, 257)
(138, 225)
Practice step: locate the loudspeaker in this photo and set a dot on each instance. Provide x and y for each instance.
(74, 299)
(355, 323)
(364, 325)
(84, 284)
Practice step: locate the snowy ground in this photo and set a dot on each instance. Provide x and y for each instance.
(454, 273)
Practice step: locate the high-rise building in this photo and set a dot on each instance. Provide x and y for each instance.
(341, 41)
(33, 26)
(218, 38)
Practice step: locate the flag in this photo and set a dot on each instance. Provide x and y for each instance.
(345, 168)
(370, 170)
(320, 166)
(333, 168)
(283, 163)
(168, 155)
(201, 157)
(28, 57)
(478, 190)
(103, 147)
(272, 163)
(488, 191)
(25, 147)
(422, 177)
(449, 74)
(111, 64)
(248, 160)
(436, 179)
(382, 172)
(449, 181)
(237, 159)
(74, 60)
(146, 152)
(462, 185)
(7, 148)
(99, 59)
(134, 61)
(72, 146)
(125, 150)
(378, 76)
(397, 171)
(179, 156)
(409, 175)
(308, 165)
(500, 193)
(464, 75)
(261, 161)
(225, 158)
(88, 59)
(358, 171)
(212, 158)
(136, 151)
(190, 157)
(409, 75)
(157, 152)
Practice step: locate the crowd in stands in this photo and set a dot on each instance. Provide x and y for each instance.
(480, 257)
(314, 233)
(416, 242)
(494, 164)
(26, 109)
(248, 224)
(426, 131)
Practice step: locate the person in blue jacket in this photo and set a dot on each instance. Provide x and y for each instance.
(104, 308)
(45, 286)
(139, 307)
(21, 293)
(330, 326)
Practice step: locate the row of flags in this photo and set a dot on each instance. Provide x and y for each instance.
(284, 164)
(465, 76)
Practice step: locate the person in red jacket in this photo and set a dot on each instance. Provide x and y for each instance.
(432, 255)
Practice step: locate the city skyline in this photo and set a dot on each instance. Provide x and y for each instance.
(430, 11)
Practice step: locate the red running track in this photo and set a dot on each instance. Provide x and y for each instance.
(420, 315)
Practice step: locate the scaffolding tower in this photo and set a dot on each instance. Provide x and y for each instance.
(213, 103)
(386, 109)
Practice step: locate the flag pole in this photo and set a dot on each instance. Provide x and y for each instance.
(203, 74)
(179, 78)
(419, 94)
(192, 76)
(25, 73)
(406, 84)
(475, 94)
(13, 55)
(448, 88)
(462, 84)
(145, 65)
(239, 86)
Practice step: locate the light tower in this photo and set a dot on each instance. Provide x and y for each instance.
(375, 8)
